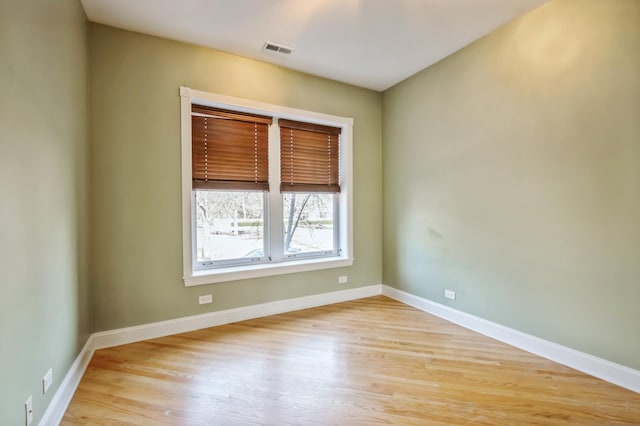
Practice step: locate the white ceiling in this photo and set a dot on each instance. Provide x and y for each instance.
(368, 43)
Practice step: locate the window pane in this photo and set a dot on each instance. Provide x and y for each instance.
(230, 225)
(308, 222)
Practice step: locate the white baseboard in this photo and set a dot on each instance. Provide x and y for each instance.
(123, 336)
(606, 370)
(62, 398)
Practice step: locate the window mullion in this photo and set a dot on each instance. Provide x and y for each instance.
(337, 244)
(276, 237)
(194, 242)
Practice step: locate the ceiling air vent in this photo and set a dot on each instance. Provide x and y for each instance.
(273, 47)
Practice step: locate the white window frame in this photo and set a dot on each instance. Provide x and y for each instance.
(344, 257)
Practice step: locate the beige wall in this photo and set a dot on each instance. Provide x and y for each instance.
(512, 176)
(44, 296)
(135, 173)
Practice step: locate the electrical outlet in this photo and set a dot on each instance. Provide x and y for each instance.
(450, 294)
(47, 380)
(343, 279)
(28, 408)
(204, 299)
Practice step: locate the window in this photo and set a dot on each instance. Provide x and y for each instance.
(309, 182)
(266, 189)
(229, 176)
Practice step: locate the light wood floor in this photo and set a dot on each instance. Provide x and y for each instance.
(371, 361)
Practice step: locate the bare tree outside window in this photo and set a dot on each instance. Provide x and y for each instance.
(230, 224)
(308, 222)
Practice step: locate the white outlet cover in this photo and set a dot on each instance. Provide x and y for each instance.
(47, 380)
(28, 407)
(207, 298)
(450, 294)
(343, 279)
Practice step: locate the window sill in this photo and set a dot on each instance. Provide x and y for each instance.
(235, 273)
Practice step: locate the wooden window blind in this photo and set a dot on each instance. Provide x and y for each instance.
(229, 150)
(309, 157)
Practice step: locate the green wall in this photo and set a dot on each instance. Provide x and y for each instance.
(44, 299)
(512, 176)
(136, 269)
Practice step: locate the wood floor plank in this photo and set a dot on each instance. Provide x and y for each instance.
(366, 362)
